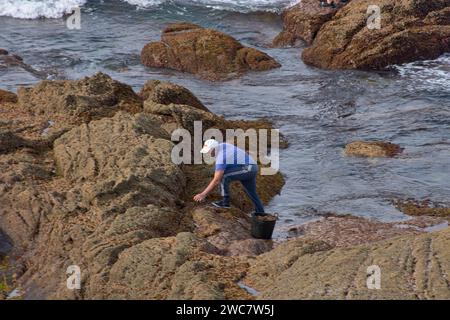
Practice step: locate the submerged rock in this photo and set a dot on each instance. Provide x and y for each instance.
(8, 61)
(372, 149)
(302, 22)
(410, 30)
(208, 53)
(422, 208)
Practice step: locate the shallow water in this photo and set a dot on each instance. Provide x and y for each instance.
(318, 111)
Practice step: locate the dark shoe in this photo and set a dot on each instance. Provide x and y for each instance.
(221, 204)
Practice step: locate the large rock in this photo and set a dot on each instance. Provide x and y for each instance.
(79, 101)
(121, 161)
(181, 267)
(412, 267)
(410, 30)
(164, 92)
(106, 196)
(302, 22)
(208, 53)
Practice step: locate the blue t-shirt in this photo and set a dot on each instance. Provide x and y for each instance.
(229, 156)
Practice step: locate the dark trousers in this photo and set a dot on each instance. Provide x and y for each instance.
(246, 174)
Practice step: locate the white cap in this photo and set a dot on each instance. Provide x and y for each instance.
(209, 145)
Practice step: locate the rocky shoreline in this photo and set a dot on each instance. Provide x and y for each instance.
(98, 189)
(87, 179)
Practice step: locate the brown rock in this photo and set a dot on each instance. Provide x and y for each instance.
(78, 101)
(410, 30)
(372, 149)
(347, 230)
(106, 196)
(422, 208)
(208, 53)
(120, 162)
(10, 141)
(302, 22)
(175, 116)
(412, 267)
(164, 92)
(229, 231)
(181, 267)
(7, 97)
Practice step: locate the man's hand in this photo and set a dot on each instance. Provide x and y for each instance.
(218, 175)
(199, 197)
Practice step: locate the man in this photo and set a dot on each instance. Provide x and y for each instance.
(232, 164)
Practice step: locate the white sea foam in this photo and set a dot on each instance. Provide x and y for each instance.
(234, 5)
(32, 9)
(430, 74)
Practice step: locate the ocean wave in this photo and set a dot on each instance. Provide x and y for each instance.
(428, 74)
(32, 9)
(232, 5)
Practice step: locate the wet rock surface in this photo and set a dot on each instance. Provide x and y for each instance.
(410, 30)
(208, 53)
(105, 195)
(9, 61)
(372, 149)
(302, 22)
(422, 208)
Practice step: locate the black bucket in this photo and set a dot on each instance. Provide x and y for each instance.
(262, 229)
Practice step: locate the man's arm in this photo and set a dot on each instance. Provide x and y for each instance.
(218, 175)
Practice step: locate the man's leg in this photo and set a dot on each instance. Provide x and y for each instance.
(250, 188)
(230, 175)
(225, 190)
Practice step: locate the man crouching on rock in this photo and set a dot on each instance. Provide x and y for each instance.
(232, 164)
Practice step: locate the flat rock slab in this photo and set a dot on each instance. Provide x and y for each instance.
(412, 267)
